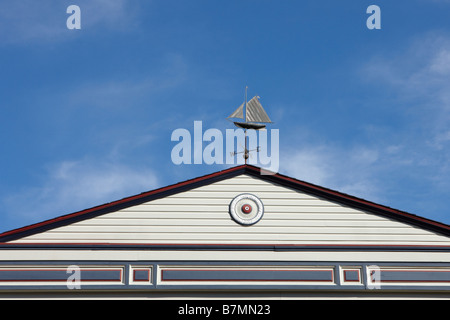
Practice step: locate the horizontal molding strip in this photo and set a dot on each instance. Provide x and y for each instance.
(220, 247)
(185, 275)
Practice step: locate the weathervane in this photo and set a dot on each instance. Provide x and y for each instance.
(254, 116)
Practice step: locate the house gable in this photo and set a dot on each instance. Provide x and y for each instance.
(196, 213)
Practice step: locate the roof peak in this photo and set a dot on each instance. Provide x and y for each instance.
(258, 172)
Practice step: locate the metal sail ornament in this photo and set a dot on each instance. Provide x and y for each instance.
(255, 115)
(238, 113)
(255, 118)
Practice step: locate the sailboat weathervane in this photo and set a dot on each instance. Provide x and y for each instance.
(255, 118)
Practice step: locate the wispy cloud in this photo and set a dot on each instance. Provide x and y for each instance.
(421, 70)
(73, 185)
(29, 21)
(421, 77)
(412, 149)
(108, 169)
(353, 171)
(121, 91)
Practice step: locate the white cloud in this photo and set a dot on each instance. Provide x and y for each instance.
(403, 159)
(376, 167)
(122, 93)
(311, 165)
(74, 185)
(440, 63)
(25, 21)
(117, 14)
(353, 171)
(420, 70)
(420, 74)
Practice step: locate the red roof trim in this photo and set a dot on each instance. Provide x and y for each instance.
(118, 202)
(363, 202)
(255, 171)
(237, 245)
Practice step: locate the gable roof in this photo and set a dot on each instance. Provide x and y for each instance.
(277, 178)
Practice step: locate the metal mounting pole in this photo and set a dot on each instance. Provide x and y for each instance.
(245, 130)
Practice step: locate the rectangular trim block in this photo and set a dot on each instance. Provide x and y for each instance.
(386, 276)
(60, 275)
(239, 275)
(140, 275)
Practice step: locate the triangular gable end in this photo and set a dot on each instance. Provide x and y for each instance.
(281, 232)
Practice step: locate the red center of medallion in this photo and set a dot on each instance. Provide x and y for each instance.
(246, 208)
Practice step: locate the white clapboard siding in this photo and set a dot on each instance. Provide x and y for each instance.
(201, 216)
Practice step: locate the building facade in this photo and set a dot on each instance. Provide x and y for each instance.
(235, 233)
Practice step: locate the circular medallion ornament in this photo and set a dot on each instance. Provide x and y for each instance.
(246, 209)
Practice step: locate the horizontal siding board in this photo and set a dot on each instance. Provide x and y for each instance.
(240, 242)
(267, 215)
(201, 216)
(234, 187)
(104, 236)
(223, 209)
(299, 231)
(230, 194)
(220, 222)
(243, 179)
(225, 202)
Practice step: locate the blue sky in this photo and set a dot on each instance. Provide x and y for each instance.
(86, 115)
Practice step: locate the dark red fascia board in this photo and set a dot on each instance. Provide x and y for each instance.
(221, 175)
(120, 204)
(359, 203)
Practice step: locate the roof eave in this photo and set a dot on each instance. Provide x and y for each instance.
(286, 181)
